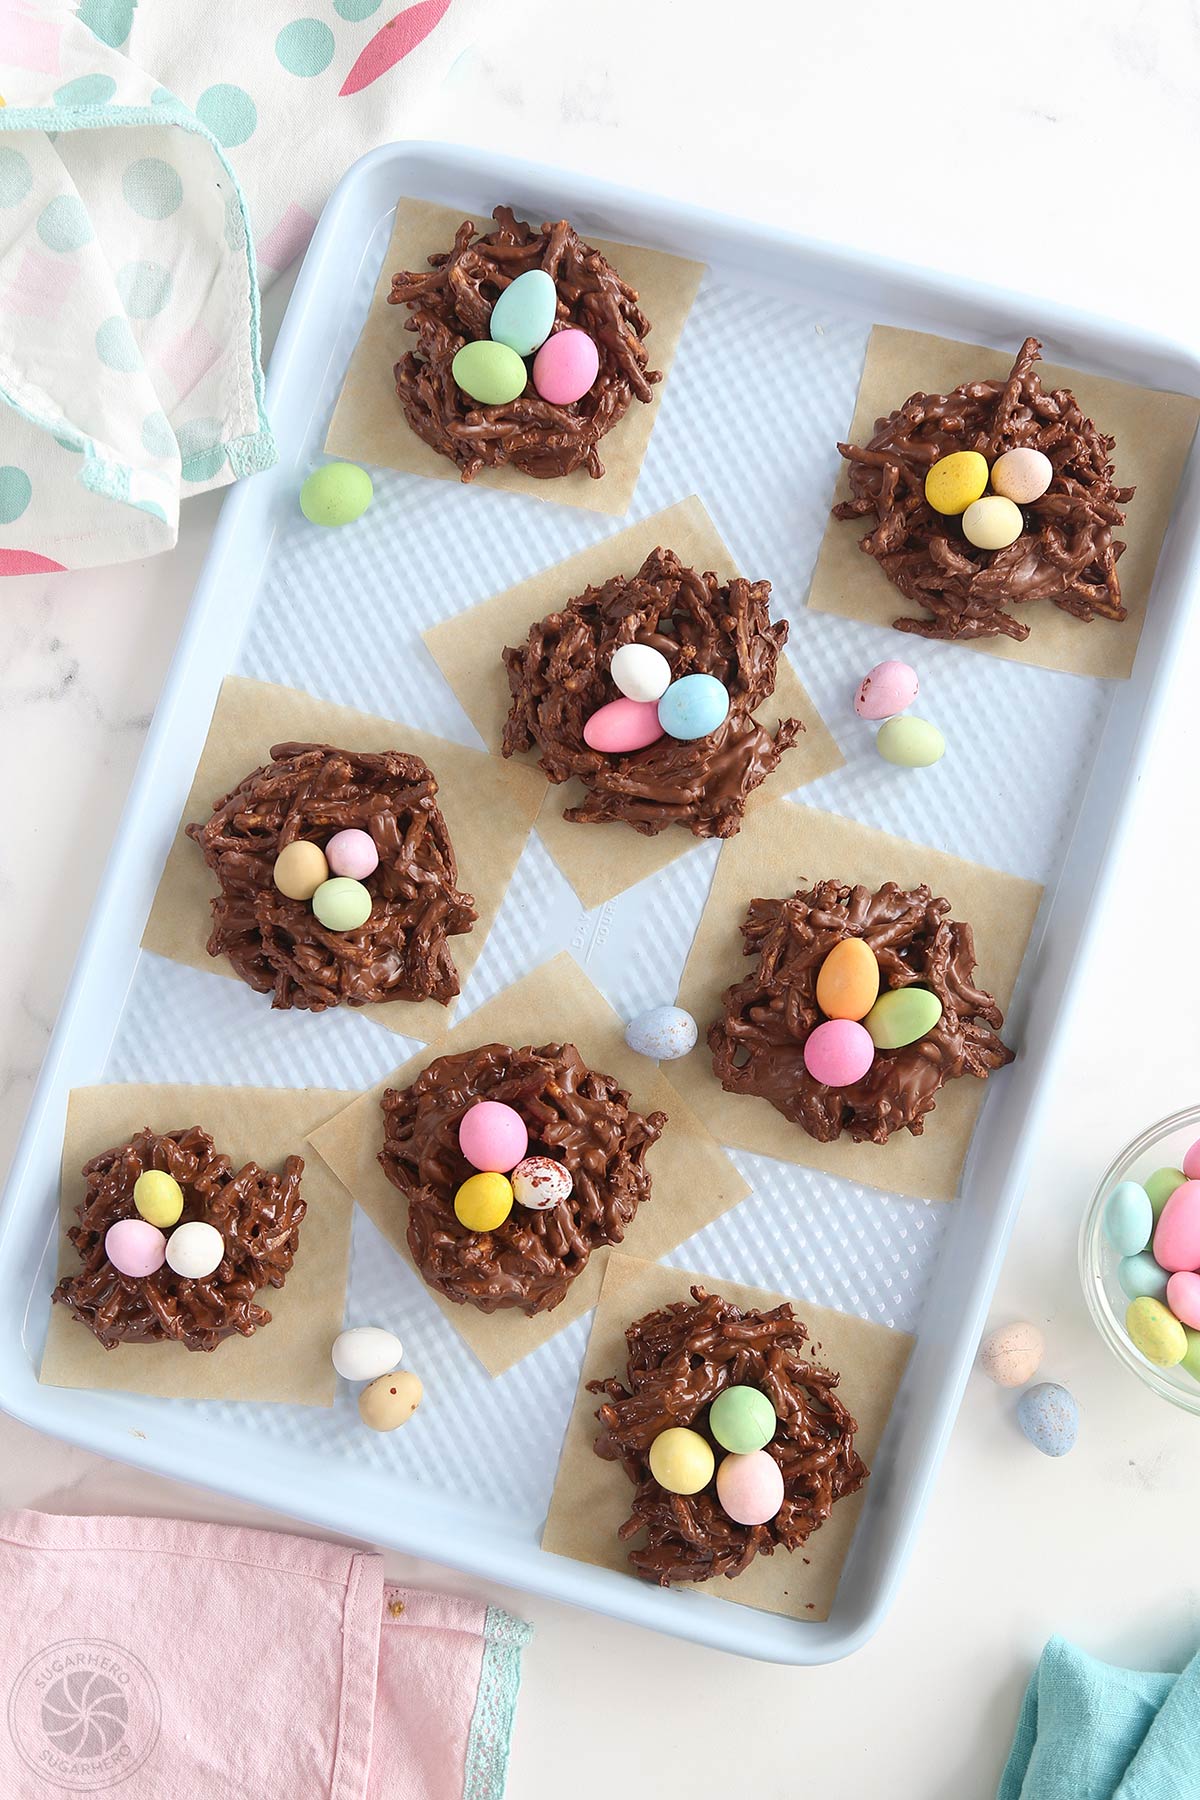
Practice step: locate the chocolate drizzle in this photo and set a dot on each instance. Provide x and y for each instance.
(680, 1359)
(258, 1215)
(453, 305)
(1067, 552)
(278, 945)
(559, 677)
(574, 1114)
(758, 1043)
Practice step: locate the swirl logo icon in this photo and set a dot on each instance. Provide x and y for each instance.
(84, 1714)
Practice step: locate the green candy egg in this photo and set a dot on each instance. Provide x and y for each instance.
(742, 1419)
(1191, 1356)
(1156, 1332)
(336, 494)
(489, 372)
(1161, 1185)
(910, 743)
(901, 1016)
(342, 904)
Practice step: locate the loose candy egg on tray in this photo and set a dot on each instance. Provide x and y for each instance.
(390, 1401)
(889, 688)
(664, 1032)
(910, 743)
(336, 494)
(364, 1352)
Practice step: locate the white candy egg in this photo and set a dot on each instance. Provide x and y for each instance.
(194, 1250)
(665, 1032)
(364, 1352)
(640, 671)
(540, 1183)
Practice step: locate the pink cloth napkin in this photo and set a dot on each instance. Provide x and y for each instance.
(156, 1659)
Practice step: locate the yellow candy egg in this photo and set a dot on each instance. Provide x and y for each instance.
(681, 1460)
(993, 523)
(158, 1198)
(848, 980)
(1156, 1331)
(956, 480)
(300, 869)
(483, 1202)
(391, 1400)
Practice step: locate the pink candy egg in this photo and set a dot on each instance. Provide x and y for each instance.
(352, 853)
(838, 1053)
(750, 1487)
(886, 691)
(492, 1137)
(1191, 1162)
(1177, 1234)
(623, 725)
(1183, 1298)
(134, 1247)
(565, 367)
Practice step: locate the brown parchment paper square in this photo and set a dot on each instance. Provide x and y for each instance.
(591, 1498)
(793, 846)
(694, 1182)
(602, 860)
(369, 425)
(1153, 431)
(488, 813)
(285, 1360)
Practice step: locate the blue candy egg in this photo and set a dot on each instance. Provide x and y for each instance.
(524, 313)
(1128, 1218)
(1141, 1277)
(665, 1032)
(693, 706)
(1049, 1417)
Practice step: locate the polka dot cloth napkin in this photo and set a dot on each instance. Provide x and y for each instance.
(146, 154)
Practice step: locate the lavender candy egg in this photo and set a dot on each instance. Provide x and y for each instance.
(352, 853)
(540, 1183)
(134, 1247)
(665, 1033)
(888, 689)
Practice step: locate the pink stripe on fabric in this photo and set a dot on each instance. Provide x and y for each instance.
(284, 242)
(392, 43)
(28, 562)
(29, 41)
(41, 286)
(186, 360)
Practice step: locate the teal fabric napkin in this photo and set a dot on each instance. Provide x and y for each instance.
(1088, 1731)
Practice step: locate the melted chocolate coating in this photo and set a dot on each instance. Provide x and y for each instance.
(279, 946)
(573, 1114)
(560, 676)
(1067, 552)
(453, 306)
(758, 1043)
(680, 1359)
(258, 1215)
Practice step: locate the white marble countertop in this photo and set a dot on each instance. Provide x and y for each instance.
(773, 120)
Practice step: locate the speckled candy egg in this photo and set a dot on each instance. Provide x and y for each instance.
(1140, 1275)
(300, 869)
(693, 707)
(1183, 1297)
(492, 1136)
(623, 726)
(888, 689)
(992, 523)
(391, 1401)
(901, 1016)
(910, 743)
(954, 481)
(838, 1053)
(490, 373)
(1156, 1332)
(641, 672)
(352, 853)
(158, 1198)
(1049, 1416)
(681, 1461)
(523, 315)
(1022, 475)
(336, 494)
(566, 366)
(134, 1247)
(848, 980)
(750, 1488)
(483, 1202)
(364, 1352)
(195, 1250)
(665, 1033)
(1177, 1234)
(540, 1183)
(1012, 1354)
(342, 904)
(742, 1419)
(1128, 1218)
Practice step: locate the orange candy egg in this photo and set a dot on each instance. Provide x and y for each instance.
(848, 980)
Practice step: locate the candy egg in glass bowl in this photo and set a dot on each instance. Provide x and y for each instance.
(1156, 1162)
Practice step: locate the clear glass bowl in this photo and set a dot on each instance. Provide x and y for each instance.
(1161, 1147)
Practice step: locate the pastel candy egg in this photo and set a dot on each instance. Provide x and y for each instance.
(391, 1401)
(195, 1250)
(888, 689)
(364, 1352)
(910, 743)
(693, 706)
(134, 1247)
(1161, 1185)
(742, 1419)
(955, 481)
(300, 869)
(524, 313)
(1022, 475)
(1012, 1354)
(848, 980)
(1191, 1162)
(483, 1202)
(681, 1461)
(1177, 1234)
(565, 367)
(492, 1136)
(1049, 1416)
(336, 494)
(488, 372)
(992, 523)
(640, 671)
(750, 1488)
(1190, 1361)
(665, 1032)
(623, 725)
(352, 853)
(1140, 1275)
(901, 1016)
(158, 1198)
(540, 1183)
(1128, 1218)
(838, 1053)
(342, 904)
(1156, 1332)
(1183, 1297)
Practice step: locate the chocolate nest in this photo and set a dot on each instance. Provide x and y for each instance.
(1066, 553)
(680, 1359)
(453, 305)
(574, 1114)
(279, 946)
(258, 1215)
(559, 677)
(758, 1043)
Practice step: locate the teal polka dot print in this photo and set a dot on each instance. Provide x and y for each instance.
(229, 113)
(63, 224)
(109, 20)
(151, 506)
(86, 90)
(201, 449)
(356, 9)
(16, 491)
(157, 437)
(144, 287)
(152, 188)
(16, 177)
(116, 346)
(305, 47)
